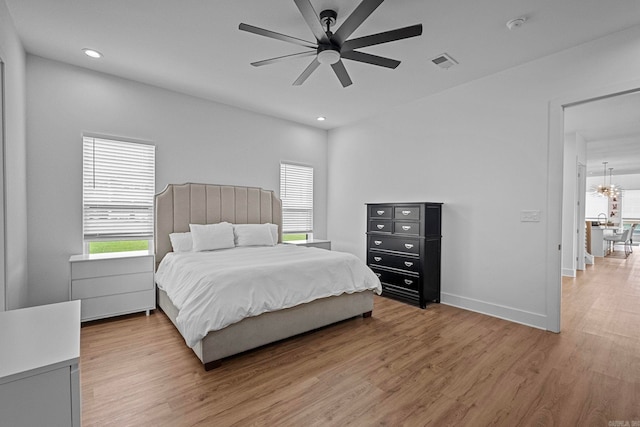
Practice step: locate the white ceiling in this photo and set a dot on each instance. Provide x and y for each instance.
(195, 47)
(611, 128)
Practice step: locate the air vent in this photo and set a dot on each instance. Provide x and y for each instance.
(444, 61)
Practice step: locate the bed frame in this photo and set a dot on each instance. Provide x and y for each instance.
(179, 205)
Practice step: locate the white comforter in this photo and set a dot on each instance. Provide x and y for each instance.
(215, 289)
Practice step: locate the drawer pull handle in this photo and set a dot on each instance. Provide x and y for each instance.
(408, 282)
(406, 213)
(377, 258)
(377, 242)
(406, 227)
(380, 212)
(408, 264)
(380, 226)
(379, 274)
(408, 245)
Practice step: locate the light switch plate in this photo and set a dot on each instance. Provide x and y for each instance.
(530, 216)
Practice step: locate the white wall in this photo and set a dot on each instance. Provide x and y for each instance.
(197, 141)
(14, 280)
(482, 149)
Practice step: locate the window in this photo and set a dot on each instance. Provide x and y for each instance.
(118, 191)
(631, 205)
(296, 193)
(596, 205)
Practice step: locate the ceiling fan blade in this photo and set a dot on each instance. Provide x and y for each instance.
(342, 74)
(312, 19)
(385, 37)
(277, 36)
(283, 58)
(354, 20)
(370, 59)
(307, 72)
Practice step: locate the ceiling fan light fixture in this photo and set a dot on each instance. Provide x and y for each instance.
(328, 56)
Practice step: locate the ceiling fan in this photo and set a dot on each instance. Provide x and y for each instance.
(331, 48)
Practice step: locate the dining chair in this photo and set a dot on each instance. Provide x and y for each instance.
(618, 239)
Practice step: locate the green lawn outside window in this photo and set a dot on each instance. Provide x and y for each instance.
(287, 237)
(118, 246)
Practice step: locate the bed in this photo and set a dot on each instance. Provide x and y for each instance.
(179, 205)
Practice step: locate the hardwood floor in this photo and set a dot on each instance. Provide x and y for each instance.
(403, 366)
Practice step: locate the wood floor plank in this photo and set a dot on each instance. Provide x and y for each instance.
(403, 366)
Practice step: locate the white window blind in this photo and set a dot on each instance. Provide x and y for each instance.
(118, 189)
(631, 205)
(296, 193)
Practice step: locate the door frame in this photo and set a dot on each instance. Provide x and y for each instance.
(554, 188)
(3, 211)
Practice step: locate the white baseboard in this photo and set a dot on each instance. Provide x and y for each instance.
(569, 272)
(527, 318)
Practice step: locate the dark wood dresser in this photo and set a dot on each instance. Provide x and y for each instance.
(403, 249)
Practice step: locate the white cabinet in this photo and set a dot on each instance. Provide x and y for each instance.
(113, 284)
(39, 355)
(599, 246)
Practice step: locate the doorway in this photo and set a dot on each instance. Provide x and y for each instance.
(604, 136)
(555, 183)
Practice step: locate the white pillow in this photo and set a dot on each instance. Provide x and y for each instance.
(181, 242)
(253, 234)
(274, 232)
(211, 236)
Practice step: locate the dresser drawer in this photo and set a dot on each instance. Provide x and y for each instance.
(412, 228)
(382, 212)
(380, 226)
(397, 279)
(399, 262)
(111, 267)
(111, 285)
(396, 244)
(407, 212)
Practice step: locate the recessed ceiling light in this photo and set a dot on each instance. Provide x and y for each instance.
(321, 119)
(92, 53)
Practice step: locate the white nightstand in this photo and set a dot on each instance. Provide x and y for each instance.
(113, 284)
(315, 243)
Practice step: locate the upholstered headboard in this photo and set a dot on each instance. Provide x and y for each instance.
(179, 205)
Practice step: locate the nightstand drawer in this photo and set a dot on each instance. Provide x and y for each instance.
(380, 226)
(111, 267)
(412, 228)
(114, 305)
(396, 244)
(407, 212)
(394, 261)
(111, 285)
(382, 212)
